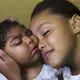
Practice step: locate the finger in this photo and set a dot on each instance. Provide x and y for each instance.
(3, 65)
(4, 56)
(3, 68)
(8, 60)
(2, 62)
(1, 53)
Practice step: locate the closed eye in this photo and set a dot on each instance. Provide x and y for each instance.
(16, 42)
(46, 33)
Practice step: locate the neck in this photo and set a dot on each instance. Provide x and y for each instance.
(32, 72)
(75, 60)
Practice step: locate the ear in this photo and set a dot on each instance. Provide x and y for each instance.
(75, 23)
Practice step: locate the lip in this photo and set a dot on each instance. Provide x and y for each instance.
(46, 54)
(34, 50)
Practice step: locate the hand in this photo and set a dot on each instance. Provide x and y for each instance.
(9, 67)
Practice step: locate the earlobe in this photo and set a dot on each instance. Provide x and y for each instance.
(75, 23)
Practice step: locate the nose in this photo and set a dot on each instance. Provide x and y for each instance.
(27, 40)
(42, 44)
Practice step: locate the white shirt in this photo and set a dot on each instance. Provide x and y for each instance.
(67, 74)
(47, 73)
(2, 77)
(77, 77)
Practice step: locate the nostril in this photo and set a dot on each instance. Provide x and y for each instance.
(42, 47)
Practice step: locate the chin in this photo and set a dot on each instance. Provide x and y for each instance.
(56, 64)
(30, 63)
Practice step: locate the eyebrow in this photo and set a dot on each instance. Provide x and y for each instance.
(42, 24)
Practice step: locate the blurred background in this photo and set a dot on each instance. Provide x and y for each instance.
(21, 9)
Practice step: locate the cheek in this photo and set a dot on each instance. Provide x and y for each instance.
(22, 50)
(58, 42)
(57, 38)
(19, 52)
(52, 39)
(61, 42)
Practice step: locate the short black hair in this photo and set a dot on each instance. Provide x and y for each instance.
(62, 7)
(5, 26)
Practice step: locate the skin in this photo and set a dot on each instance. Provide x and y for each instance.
(26, 47)
(21, 47)
(57, 37)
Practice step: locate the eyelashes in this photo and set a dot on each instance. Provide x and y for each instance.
(46, 33)
(17, 41)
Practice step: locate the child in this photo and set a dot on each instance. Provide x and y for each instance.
(57, 25)
(22, 57)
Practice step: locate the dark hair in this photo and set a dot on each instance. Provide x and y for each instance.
(62, 7)
(5, 26)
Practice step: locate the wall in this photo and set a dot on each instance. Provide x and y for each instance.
(20, 9)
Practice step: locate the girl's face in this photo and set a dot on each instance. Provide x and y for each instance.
(22, 48)
(56, 37)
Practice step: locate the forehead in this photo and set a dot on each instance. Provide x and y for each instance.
(13, 32)
(46, 17)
